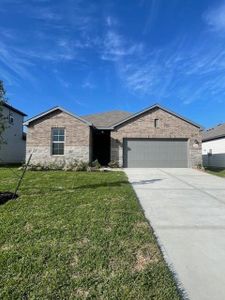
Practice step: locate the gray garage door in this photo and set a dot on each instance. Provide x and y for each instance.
(155, 153)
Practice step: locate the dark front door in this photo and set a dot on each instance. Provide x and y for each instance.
(101, 146)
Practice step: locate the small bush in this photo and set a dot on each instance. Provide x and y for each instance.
(114, 164)
(36, 167)
(82, 166)
(96, 165)
(72, 165)
(199, 166)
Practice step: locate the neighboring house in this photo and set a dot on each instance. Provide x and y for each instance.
(14, 148)
(213, 147)
(154, 137)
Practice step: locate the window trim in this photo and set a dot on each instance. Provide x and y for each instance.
(58, 142)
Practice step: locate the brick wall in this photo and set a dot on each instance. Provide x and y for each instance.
(170, 126)
(77, 138)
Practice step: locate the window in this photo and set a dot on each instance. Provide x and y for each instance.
(58, 139)
(11, 118)
(156, 123)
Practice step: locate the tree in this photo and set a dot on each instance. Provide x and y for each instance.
(2, 92)
(2, 118)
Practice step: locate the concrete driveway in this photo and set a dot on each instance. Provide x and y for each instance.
(186, 209)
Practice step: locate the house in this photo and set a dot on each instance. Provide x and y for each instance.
(153, 137)
(14, 148)
(213, 147)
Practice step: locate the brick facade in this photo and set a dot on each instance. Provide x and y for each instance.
(77, 138)
(170, 126)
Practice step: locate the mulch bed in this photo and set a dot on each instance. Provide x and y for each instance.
(6, 196)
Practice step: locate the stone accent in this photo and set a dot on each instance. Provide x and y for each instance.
(77, 139)
(170, 126)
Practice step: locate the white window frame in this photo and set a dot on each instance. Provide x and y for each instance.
(57, 142)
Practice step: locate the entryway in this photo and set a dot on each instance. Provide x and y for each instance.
(101, 146)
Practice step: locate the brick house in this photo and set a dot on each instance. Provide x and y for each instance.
(154, 137)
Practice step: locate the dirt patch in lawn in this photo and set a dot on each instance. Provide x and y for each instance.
(146, 256)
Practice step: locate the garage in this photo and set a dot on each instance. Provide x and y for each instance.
(155, 153)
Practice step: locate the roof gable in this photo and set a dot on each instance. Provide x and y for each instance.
(152, 108)
(39, 116)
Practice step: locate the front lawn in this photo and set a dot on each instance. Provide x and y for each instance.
(78, 236)
(218, 172)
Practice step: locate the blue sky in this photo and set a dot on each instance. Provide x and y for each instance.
(93, 56)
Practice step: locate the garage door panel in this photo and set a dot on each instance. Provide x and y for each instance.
(155, 153)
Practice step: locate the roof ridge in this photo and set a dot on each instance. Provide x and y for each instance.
(109, 111)
(216, 126)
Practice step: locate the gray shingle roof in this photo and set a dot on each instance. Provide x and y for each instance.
(14, 109)
(214, 133)
(107, 119)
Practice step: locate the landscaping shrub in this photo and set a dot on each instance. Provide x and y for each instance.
(82, 166)
(95, 165)
(199, 166)
(70, 165)
(113, 164)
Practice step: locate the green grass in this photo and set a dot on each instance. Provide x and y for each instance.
(218, 172)
(78, 236)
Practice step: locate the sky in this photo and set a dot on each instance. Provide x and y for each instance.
(93, 56)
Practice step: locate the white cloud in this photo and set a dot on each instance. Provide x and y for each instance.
(215, 17)
(53, 40)
(115, 47)
(179, 70)
(7, 33)
(87, 84)
(18, 65)
(46, 14)
(186, 72)
(18, 62)
(111, 21)
(177, 73)
(81, 103)
(138, 78)
(152, 8)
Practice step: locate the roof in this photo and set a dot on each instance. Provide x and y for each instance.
(14, 109)
(151, 108)
(214, 133)
(27, 122)
(107, 119)
(110, 120)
